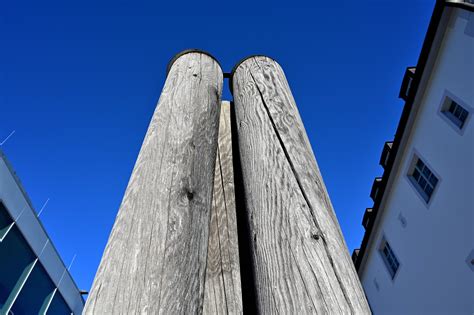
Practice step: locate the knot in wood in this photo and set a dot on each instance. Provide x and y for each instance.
(189, 194)
(315, 236)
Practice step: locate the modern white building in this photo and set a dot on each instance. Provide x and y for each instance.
(417, 255)
(33, 278)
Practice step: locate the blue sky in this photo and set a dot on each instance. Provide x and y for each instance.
(79, 81)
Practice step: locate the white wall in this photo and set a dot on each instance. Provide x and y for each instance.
(433, 277)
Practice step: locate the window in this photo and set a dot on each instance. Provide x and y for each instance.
(424, 179)
(391, 261)
(455, 112)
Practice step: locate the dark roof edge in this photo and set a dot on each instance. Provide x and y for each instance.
(231, 76)
(420, 67)
(188, 51)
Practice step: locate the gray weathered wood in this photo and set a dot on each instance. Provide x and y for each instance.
(301, 261)
(223, 289)
(155, 258)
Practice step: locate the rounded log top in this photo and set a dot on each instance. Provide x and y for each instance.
(241, 62)
(188, 51)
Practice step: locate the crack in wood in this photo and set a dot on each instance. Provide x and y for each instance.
(316, 236)
(271, 135)
(285, 151)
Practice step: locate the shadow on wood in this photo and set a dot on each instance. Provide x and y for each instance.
(223, 289)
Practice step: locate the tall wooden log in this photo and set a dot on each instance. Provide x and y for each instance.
(300, 260)
(223, 289)
(155, 258)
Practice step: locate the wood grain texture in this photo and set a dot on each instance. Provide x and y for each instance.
(155, 258)
(223, 288)
(301, 261)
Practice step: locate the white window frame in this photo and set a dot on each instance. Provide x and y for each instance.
(409, 176)
(427, 178)
(452, 116)
(450, 119)
(391, 273)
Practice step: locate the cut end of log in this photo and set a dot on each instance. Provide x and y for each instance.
(188, 51)
(241, 62)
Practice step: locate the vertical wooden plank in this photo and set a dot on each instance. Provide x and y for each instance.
(300, 260)
(223, 288)
(155, 258)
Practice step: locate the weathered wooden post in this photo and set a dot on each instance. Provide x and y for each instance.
(300, 260)
(223, 289)
(155, 259)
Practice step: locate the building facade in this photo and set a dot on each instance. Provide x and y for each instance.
(33, 278)
(417, 255)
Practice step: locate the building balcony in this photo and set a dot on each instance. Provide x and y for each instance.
(376, 188)
(407, 83)
(385, 154)
(367, 217)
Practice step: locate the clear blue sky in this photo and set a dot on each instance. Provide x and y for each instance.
(79, 81)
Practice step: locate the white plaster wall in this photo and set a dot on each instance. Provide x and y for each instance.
(433, 277)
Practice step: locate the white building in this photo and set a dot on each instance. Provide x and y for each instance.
(417, 255)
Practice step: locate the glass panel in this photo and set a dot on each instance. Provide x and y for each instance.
(420, 164)
(426, 172)
(38, 287)
(47, 302)
(5, 220)
(428, 190)
(19, 285)
(58, 306)
(15, 256)
(422, 182)
(393, 265)
(425, 179)
(390, 260)
(452, 107)
(416, 174)
(458, 112)
(433, 180)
